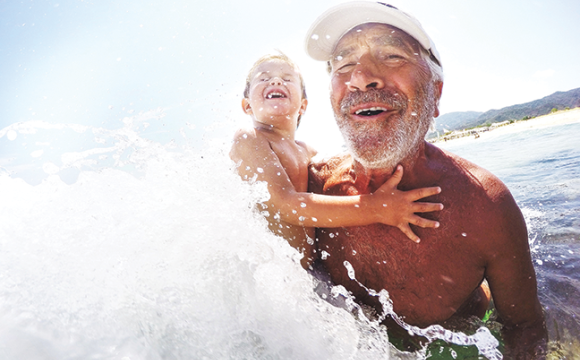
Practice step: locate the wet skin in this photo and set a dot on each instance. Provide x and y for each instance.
(482, 235)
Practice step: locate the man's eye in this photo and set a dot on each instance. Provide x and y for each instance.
(393, 59)
(344, 68)
(264, 79)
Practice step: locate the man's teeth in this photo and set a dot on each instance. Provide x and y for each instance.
(370, 111)
(275, 95)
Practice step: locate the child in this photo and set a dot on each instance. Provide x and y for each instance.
(275, 98)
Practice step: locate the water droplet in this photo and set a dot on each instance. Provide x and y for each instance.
(314, 219)
(302, 205)
(301, 218)
(11, 135)
(354, 252)
(245, 136)
(260, 170)
(349, 270)
(314, 36)
(463, 234)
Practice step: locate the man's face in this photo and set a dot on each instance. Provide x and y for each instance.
(382, 94)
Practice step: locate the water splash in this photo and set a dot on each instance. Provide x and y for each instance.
(154, 252)
(483, 339)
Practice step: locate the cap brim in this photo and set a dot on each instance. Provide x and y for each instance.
(333, 24)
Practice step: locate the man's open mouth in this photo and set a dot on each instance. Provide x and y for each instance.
(371, 111)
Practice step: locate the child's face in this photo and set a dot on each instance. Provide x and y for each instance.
(275, 93)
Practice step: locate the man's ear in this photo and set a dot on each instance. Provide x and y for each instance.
(246, 106)
(303, 106)
(438, 91)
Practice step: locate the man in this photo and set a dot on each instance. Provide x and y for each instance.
(386, 82)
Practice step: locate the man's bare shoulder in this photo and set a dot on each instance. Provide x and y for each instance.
(480, 198)
(330, 172)
(309, 149)
(465, 174)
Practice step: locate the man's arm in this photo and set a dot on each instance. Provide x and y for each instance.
(512, 281)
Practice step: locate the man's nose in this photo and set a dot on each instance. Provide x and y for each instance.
(365, 75)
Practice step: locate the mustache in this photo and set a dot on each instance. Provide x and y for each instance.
(391, 98)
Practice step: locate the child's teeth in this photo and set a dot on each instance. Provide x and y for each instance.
(271, 95)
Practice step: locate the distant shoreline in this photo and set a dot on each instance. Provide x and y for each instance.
(561, 117)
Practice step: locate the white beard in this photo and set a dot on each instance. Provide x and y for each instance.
(386, 144)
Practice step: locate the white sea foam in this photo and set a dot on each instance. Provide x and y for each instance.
(170, 264)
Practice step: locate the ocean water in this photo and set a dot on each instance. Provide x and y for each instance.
(541, 167)
(115, 246)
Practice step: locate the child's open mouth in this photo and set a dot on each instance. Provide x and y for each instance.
(275, 95)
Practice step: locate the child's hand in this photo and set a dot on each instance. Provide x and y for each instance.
(399, 207)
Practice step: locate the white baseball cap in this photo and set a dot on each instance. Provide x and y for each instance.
(333, 24)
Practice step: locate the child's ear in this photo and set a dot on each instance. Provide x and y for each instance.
(303, 106)
(246, 106)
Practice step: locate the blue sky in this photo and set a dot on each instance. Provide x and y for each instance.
(97, 62)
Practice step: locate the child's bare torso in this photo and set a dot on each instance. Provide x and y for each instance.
(294, 157)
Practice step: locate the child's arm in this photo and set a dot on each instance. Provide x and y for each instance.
(256, 159)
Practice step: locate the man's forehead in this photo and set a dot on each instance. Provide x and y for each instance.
(374, 34)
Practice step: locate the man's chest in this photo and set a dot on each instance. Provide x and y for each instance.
(429, 279)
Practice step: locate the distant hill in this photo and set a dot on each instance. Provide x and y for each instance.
(455, 120)
(464, 120)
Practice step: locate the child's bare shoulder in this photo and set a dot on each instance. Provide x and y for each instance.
(248, 137)
(245, 133)
(248, 142)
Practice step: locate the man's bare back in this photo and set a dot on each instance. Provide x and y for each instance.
(482, 229)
